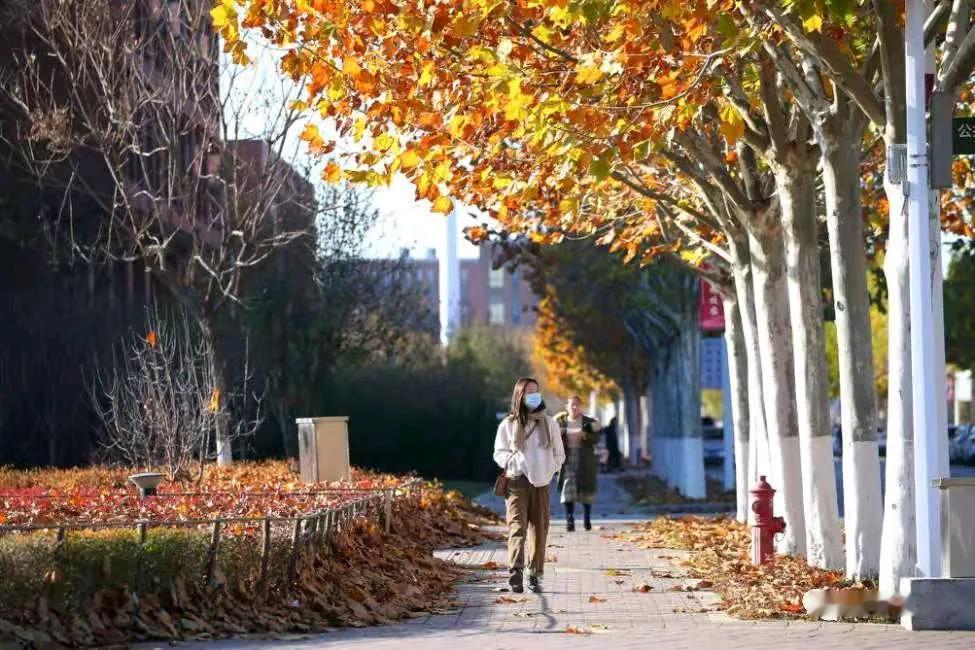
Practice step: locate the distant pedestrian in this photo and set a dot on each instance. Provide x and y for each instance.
(577, 480)
(611, 434)
(529, 449)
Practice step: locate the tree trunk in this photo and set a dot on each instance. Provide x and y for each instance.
(775, 346)
(634, 422)
(758, 462)
(862, 504)
(898, 545)
(738, 387)
(225, 454)
(796, 185)
(690, 461)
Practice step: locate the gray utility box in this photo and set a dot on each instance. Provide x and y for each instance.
(323, 449)
(957, 526)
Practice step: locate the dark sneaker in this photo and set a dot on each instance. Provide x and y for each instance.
(570, 524)
(516, 581)
(535, 583)
(587, 525)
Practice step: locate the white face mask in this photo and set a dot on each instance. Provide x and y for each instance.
(533, 400)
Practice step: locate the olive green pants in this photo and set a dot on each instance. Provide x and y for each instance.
(528, 516)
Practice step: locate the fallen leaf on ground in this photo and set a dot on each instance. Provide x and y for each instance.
(491, 566)
(500, 589)
(644, 588)
(617, 572)
(577, 630)
(596, 599)
(618, 582)
(505, 600)
(720, 559)
(552, 558)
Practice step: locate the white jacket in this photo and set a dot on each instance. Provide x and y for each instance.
(537, 463)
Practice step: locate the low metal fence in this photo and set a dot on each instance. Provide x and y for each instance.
(319, 526)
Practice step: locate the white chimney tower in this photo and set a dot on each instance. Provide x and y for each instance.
(449, 282)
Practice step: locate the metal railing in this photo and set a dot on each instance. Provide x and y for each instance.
(318, 526)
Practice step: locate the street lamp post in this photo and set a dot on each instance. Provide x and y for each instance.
(924, 350)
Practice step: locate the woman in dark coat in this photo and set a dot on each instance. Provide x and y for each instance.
(577, 479)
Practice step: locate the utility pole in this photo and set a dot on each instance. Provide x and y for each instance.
(924, 350)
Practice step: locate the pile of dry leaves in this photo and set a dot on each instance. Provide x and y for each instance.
(648, 490)
(721, 545)
(364, 576)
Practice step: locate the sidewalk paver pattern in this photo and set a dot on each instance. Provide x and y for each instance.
(589, 587)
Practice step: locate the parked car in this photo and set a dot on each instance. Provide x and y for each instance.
(713, 435)
(955, 433)
(838, 440)
(966, 445)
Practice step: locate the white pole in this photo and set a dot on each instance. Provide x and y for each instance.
(449, 282)
(923, 349)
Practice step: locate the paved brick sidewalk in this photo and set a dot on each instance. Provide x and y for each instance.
(590, 564)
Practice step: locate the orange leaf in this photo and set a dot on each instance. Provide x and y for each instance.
(214, 404)
(596, 599)
(152, 338)
(332, 173)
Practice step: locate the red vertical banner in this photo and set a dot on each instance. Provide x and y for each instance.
(712, 308)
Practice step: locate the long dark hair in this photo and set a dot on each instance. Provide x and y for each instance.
(518, 408)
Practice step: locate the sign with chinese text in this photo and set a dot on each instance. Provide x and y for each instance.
(712, 363)
(963, 135)
(712, 309)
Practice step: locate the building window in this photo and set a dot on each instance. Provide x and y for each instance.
(496, 312)
(496, 279)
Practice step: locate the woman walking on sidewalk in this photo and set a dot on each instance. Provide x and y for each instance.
(577, 480)
(530, 451)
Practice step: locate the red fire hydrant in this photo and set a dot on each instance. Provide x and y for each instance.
(766, 525)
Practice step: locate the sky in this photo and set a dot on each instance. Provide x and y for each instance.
(260, 92)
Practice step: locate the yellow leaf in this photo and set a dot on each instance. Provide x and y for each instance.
(814, 23)
(732, 126)
(443, 205)
(409, 159)
(616, 33)
(427, 75)
(350, 66)
(588, 74)
(223, 14)
(383, 142)
(360, 128)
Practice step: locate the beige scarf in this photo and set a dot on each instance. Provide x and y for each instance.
(539, 423)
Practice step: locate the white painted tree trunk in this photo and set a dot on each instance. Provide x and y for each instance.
(675, 390)
(690, 480)
(759, 462)
(775, 345)
(796, 185)
(862, 502)
(634, 423)
(738, 387)
(898, 546)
